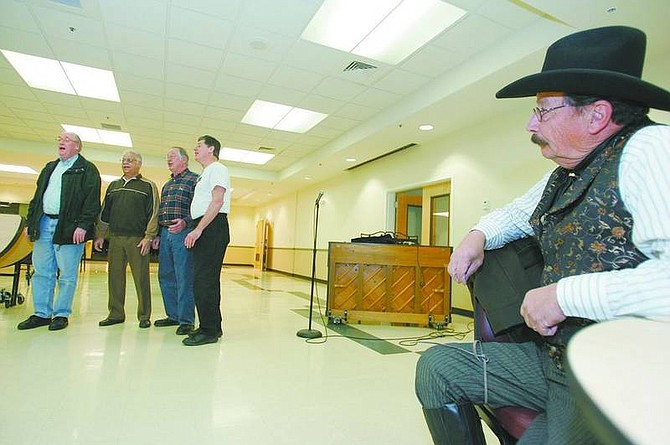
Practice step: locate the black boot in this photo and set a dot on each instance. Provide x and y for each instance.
(455, 424)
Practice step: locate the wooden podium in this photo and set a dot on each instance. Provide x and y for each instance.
(384, 283)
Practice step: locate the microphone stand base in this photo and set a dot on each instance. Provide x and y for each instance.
(309, 333)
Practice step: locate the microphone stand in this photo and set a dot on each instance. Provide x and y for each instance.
(309, 332)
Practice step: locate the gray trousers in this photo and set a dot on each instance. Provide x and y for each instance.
(122, 251)
(511, 374)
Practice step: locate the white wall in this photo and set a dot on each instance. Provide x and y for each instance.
(493, 161)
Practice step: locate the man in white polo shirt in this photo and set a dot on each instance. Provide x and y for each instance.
(208, 239)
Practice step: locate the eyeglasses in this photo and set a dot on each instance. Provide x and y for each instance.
(540, 112)
(65, 139)
(128, 161)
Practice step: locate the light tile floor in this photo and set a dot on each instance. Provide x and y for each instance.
(260, 385)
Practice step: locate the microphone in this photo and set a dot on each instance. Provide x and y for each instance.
(318, 198)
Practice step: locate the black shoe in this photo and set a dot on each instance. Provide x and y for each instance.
(184, 329)
(33, 322)
(58, 323)
(144, 324)
(200, 339)
(163, 322)
(195, 332)
(109, 321)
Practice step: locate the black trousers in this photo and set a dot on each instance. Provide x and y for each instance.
(208, 253)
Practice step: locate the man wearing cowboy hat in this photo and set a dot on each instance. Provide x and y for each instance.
(602, 221)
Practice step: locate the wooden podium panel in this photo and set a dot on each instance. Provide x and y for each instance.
(375, 283)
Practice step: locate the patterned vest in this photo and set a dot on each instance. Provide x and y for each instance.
(582, 225)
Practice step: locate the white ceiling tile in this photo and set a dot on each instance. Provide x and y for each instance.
(287, 17)
(138, 66)
(81, 54)
(147, 15)
(210, 125)
(24, 42)
(17, 104)
(356, 112)
(432, 61)
(145, 100)
(196, 56)
(248, 67)
(135, 41)
(321, 104)
(228, 9)
(70, 26)
(295, 78)
(320, 59)
(376, 98)
(11, 90)
(186, 75)
(136, 111)
(199, 28)
(182, 106)
(403, 82)
(231, 101)
(472, 35)
(259, 43)
(238, 85)
(126, 81)
(187, 93)
(281, 95)
(338, 89)
(339, 123)
(176, 123)
(507, 13)
(69, 114)
(144, 123)
(16, 15)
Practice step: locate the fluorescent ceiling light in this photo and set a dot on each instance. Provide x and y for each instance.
(443, 214)
(425, 127)
(107, 137)
(17, 169)
(282, 117)
(246, 156)
(384, 30)
(63, 77)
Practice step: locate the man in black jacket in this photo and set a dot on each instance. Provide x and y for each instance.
(61, 218)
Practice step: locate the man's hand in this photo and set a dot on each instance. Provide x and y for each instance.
(156, 242)
(177, 226)
(192, 237)
(145, 246)
(541, 311)
(98, 243)
(467, 257)
(79, 235)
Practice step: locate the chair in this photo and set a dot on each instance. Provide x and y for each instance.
(510, 422)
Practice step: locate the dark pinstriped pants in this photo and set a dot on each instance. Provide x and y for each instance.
(519, 374)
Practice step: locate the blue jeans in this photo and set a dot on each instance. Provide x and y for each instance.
(175, 276)
(48, 259)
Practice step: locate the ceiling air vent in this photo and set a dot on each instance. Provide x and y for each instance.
(357, 65)
(111, 126)
(266, 149)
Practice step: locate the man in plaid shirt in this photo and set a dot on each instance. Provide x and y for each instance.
(175, 262)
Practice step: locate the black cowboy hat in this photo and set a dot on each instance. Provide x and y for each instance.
(597, 62)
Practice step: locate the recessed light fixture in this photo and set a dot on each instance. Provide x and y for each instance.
(308, 178)
(17, 169)
(106, 137)
(246, 156)
(63, 77)
(384, 30)
(425, 127)
(350, 159)
(281, 117)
